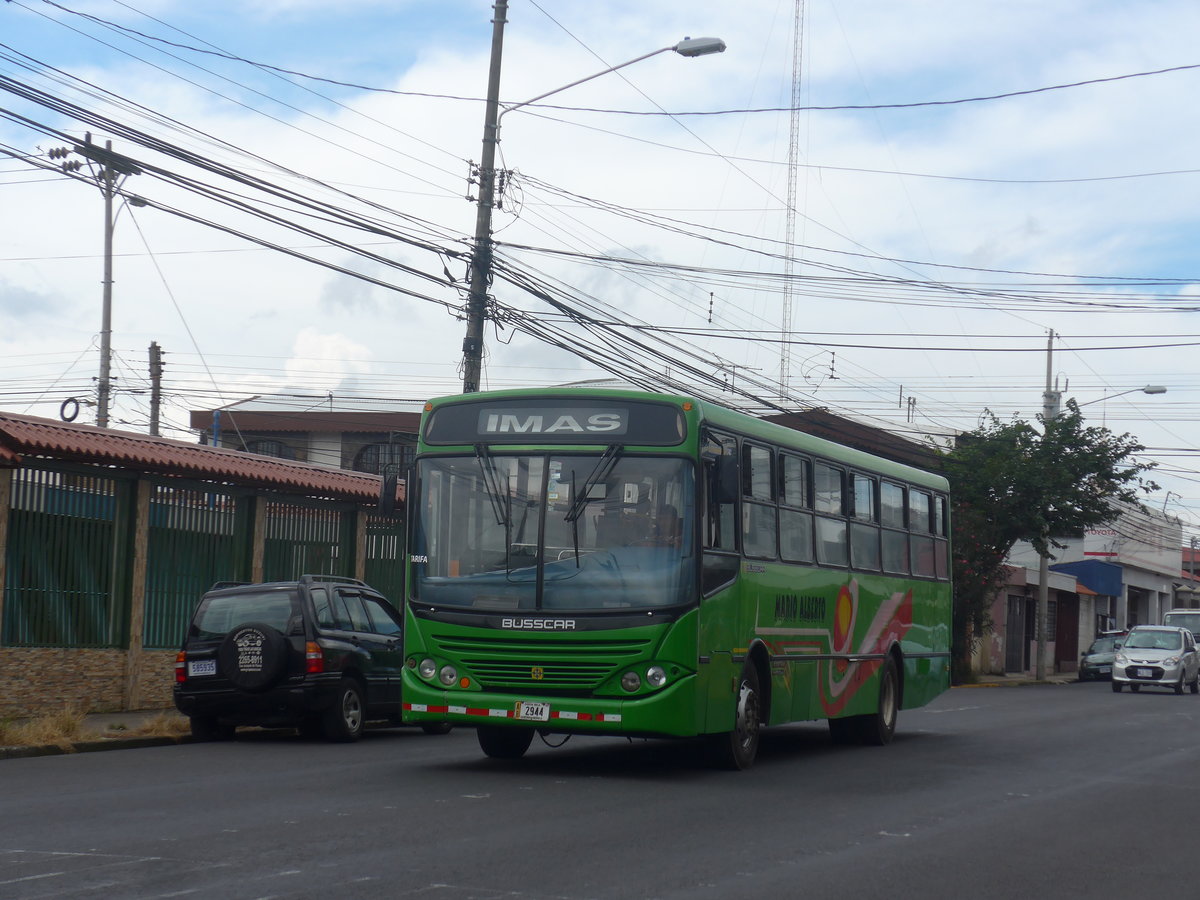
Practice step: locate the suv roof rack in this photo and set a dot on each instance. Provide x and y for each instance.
(341, 579)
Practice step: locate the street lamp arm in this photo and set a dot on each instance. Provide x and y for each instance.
(582, 80)
(687, 47)
(1148, 389)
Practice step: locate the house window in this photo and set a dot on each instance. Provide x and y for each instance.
(278, 449)
(374, 458)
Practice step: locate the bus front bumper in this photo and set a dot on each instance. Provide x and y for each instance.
(666, 713)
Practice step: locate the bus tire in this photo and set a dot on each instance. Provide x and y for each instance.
(877, 728)
(504, 743)
(737, 749)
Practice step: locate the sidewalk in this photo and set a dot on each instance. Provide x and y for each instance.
(1019, 679)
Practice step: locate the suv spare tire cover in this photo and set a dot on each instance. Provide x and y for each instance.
(252, 656)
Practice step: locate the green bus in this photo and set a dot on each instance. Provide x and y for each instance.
(614, 562)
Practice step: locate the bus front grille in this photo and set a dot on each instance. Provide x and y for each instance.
(543, 662)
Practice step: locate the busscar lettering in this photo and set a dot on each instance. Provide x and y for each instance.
(539, 624)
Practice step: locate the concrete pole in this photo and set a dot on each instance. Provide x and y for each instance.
(104, 385)
(481, 256)
(1050, 409)
(156, 370)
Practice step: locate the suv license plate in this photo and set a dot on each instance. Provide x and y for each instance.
(1144, 673)
(533, 710)
(202, 667)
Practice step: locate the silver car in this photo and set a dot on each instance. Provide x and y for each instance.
(1159, 655)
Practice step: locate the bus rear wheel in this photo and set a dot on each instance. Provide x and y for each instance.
(877, 728)
(737, 749)
(504, 743)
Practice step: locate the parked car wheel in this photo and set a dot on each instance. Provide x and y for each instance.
(343, 722)
(210, 728)
(1116, 686)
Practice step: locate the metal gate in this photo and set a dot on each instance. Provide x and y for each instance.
(62, 573)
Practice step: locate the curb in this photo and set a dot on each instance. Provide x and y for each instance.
(91, 746)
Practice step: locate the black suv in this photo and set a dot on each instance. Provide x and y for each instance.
(323, 653)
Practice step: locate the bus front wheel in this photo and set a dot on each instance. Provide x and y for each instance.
(738, 748)
(504, 743)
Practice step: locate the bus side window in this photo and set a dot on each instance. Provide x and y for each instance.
(721, 489)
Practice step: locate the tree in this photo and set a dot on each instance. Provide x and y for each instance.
(1011, 482)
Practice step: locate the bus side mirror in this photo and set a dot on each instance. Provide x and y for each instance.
(387, 492)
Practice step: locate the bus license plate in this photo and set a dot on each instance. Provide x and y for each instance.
(533, 710)
(202, 667)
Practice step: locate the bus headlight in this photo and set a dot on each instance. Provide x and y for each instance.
(631, 681)
(656, 676)
(448, 675)
(427, 668)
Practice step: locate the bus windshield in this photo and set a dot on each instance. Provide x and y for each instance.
(554, 531)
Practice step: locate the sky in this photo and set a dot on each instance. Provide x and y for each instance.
(958, 182)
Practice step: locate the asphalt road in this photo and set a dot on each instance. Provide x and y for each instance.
(1054, 791)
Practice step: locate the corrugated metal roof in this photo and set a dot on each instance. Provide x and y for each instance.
(31, 436)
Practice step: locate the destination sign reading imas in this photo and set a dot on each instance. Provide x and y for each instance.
(521, 421)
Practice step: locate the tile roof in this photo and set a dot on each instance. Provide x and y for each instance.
(31, 436)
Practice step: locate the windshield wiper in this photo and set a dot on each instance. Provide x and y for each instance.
(604, 465)
(491, 483)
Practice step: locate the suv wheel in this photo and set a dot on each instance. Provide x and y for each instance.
(210, 728)
(343, 721)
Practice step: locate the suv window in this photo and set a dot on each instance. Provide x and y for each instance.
(218, 614)
(358, 615)
(341, 615)
(321, 607)
(383, 621)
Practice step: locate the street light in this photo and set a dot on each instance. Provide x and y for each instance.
(1051, 408)
(481, 253)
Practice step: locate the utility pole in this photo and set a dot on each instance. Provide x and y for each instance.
(156, 371)
(1051, 403)
(109, 172)
(481, 255)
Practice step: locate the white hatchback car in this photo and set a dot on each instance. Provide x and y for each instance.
(1159, 655)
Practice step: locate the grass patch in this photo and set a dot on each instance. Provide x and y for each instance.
(68, 726)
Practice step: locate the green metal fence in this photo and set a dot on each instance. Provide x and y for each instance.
(70, 552)
(196, 537)
(68, 536)
(307, 539)
(384, 564)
